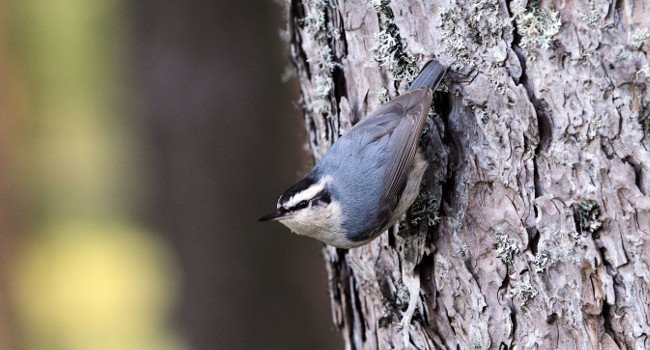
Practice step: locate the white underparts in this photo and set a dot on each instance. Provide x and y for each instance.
(322, 222)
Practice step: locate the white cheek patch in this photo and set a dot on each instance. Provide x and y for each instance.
(320, 222)
(308, 193)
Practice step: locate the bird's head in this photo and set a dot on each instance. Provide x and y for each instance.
(307, 208)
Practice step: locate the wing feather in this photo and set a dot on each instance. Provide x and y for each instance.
(385, 144)
(400, 121)
(414, 107)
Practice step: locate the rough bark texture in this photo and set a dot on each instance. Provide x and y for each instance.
(533, 226)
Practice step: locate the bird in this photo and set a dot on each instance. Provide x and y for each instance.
(369, 177)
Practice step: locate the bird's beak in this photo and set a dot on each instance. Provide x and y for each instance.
(273, 216)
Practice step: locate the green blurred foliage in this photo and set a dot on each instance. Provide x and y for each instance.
(84, 276)
(81, 148)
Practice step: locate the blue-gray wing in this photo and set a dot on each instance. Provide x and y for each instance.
(400, 123)
(384, 145)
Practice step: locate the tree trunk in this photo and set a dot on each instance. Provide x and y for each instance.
(533, 225)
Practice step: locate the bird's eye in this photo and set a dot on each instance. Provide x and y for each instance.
(302, 205)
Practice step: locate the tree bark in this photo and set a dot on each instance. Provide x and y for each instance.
(533, 225)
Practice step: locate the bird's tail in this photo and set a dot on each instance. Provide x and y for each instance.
(430, 75)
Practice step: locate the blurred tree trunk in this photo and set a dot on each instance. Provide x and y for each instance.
(533, 226)
(214, 115)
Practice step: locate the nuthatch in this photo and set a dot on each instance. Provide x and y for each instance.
(369, 177)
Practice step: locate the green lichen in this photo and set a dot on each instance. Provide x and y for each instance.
(505, 247)
(588, 213)
(391, 54)
(316, 106)
(390, 51)
(537, 27)
(320, 106)
(638, 37)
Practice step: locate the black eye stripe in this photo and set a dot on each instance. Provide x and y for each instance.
(325, 197)
(301, 205)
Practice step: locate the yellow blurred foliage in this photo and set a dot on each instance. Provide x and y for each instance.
(84, 285)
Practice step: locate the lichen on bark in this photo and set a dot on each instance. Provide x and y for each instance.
(533, 226)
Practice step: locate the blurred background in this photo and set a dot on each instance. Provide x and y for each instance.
(139, 143)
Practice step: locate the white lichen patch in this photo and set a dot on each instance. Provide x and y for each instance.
(378, 4)
(639, 36)
(505, 247)
(410, 295)
(496, 81)
(469, 26)
(390, 51)
(323, 85)
(541, 261)
(522, 291)
(592, 17)
(317, 106)
(315, 19)
(645, 71)
(480, 114)
(537, 27)
(320, 106)
(390, 55)
(476, 343)
(324, 61)
(382, 93)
